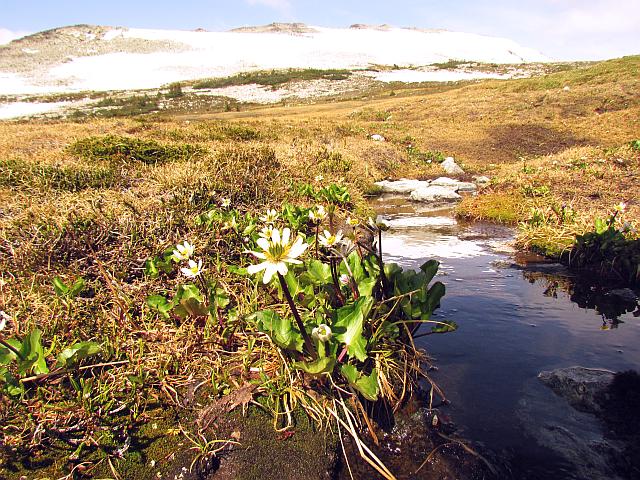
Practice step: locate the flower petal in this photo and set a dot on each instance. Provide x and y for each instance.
(282, 268)
(286, 235)
(275, 236)
(269, 272)
(253, 269)
(263, 243)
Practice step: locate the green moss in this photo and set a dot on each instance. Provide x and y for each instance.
(118, 148)
(501, 208)
(273, 78)
(265, 453)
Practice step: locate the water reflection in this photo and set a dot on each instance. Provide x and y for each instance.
(516, 317)
(610, 306)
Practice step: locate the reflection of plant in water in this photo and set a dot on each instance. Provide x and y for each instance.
(586, 295)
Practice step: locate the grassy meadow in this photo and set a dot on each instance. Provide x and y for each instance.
(92, 208)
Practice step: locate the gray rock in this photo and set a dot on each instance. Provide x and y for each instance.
(435, 194)
(576, 437)
(482, 180)
(451, 167)
(456, 185)
(378, 138)
(625, 295)
(580, 386)
(404, 185)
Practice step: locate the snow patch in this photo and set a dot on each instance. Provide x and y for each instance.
(25, 109)
(220, 54)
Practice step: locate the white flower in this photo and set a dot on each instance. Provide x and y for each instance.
(317, 214)
(194, 269)
(270, 217)
(230, 224)
(326, 239)
(621, 207)
(183, 251)
(319, 178)
(344, 279)
(627, 227)
(226, 202)
(4, 318)
(352, 222)
(266, 232)
(276, 253)
(322, 332)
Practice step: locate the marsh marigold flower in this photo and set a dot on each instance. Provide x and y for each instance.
(183, 251)
(277, 252)
(270, 217)
(322, 332)
(193, 270)
(317, 214)
(327, 239)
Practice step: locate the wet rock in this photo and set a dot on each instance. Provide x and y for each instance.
(435, 194)
(581, 387)
(456, 185)
(625, 295)
(451, 167)
(404, 185)
(572, 438)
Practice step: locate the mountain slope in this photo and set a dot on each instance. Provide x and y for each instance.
(87, 57)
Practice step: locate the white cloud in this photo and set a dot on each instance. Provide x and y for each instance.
(280, 5)
(562, 29)
(7, 35)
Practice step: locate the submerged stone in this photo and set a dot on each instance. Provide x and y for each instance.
(580, 386)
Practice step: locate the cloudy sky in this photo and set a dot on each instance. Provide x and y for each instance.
(562, 29)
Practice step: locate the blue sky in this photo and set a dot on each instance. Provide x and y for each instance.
(562, 29)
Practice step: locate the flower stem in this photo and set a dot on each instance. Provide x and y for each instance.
(13, 349)
(307, 339)
(336, 281)
(383, 277)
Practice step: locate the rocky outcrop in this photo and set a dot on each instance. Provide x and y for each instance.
(450, 166)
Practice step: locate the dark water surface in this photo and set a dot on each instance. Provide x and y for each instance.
(514, 321)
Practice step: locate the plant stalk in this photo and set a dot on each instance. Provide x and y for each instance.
(307, 339)
(383, 277)
(12, 348)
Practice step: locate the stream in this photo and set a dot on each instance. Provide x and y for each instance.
(517, 316)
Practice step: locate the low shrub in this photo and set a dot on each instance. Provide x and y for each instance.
(332, 162)
(273, 78)
(247, 173)
(17, 173)
(119, 148)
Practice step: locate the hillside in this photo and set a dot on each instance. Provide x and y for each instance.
(103, 58)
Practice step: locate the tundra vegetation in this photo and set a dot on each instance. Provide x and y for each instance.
(161, 272)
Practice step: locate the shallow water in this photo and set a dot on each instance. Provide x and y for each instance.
(514, 321)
